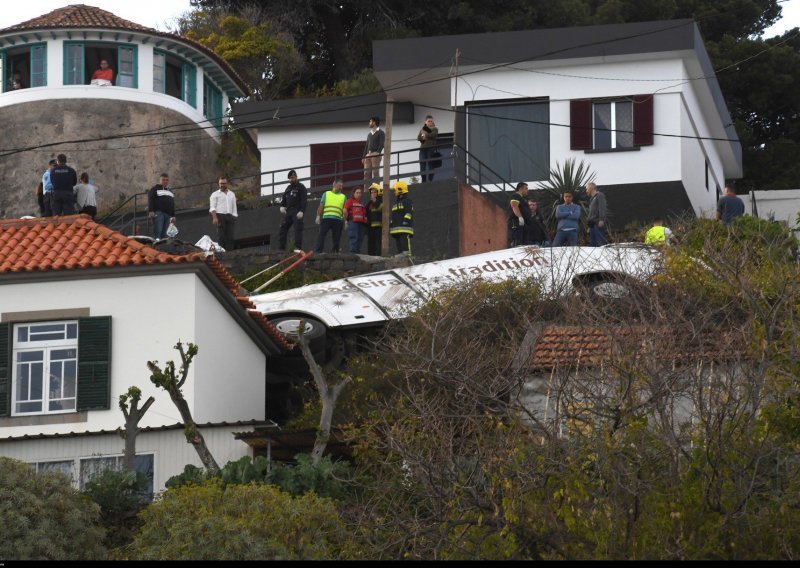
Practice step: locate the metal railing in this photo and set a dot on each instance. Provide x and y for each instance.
(130, 217)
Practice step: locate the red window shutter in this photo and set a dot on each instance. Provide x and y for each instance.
(643, 120)
(580, 124)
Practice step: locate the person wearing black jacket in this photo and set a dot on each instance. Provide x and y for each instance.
(537, 232)
(64, 179)
(293, 208)
(161, 207)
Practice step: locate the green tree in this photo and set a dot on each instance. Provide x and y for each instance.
(44, 518)
(211, 521)
(262, 55)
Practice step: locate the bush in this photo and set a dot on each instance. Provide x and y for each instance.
(120, 495)
(45, 518)
(211, 521)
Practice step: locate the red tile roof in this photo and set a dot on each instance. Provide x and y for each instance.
(75, 242)
(78, 15)
(569, 347)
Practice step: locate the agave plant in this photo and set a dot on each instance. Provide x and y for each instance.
(572, 177)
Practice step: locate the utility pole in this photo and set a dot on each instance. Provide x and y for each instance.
(387, 170)
(454, 153)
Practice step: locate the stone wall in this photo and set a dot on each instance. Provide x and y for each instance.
(91, 134)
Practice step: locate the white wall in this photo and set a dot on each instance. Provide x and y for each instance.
(150, 314)
(170, 450)
(229, 367)
(670, 158)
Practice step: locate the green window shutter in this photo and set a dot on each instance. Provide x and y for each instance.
(94, 363)
(127, 67)
(189, 84)
(73, 63)
(5, 369)
(159, 72)
(38, 65)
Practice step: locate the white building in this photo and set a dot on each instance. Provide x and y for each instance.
(82, 310)
(638, 102)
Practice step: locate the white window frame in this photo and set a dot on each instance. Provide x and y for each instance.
(29, 338)
(89, 467)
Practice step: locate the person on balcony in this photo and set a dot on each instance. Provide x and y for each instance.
(427, 140)
(103, 76)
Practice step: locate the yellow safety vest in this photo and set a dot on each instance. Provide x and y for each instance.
(656, 236)
(334, 205)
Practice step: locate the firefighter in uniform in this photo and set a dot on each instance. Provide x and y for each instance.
(401, 227)
(293, 207)
(374, 219)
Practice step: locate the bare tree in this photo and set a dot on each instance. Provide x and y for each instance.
(172, 382)
(129, 405)
(328, 395)
(654, 424)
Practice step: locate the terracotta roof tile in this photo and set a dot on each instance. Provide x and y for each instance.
(77, 243)
(569, 347)
(78, 15)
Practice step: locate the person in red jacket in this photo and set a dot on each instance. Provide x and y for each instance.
(105, 73)
(355, 215)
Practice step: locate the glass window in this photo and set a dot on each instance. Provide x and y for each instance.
(159, 72)
(50, 346)
(613, 124)
(91, 467)
(212, 103)
(189, 90)
(39, 66)
(126, 75)
(510, 140)
(73, 64)
(65, 467)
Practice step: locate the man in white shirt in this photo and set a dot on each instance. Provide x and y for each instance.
(223, 213)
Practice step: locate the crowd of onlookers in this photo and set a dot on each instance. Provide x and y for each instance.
(526, 225)
(62, 192)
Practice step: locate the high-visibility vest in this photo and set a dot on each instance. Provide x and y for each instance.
(334, 205)
(656, 236)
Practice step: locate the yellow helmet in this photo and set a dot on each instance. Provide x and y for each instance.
(400, 187)
(377, 186)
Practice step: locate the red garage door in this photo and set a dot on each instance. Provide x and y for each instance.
(340, 159)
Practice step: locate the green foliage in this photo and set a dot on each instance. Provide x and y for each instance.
(264, 56)
(211, 521)
(191, 475)
(234, 157)
(44, 518)
(244, 470)
(120, 495)
(327, 479)
(363, 83)
(572, 176)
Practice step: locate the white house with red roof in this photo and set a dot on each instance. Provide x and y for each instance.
(82, 310)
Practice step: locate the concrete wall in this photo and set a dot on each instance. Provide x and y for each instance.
(119, 167)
